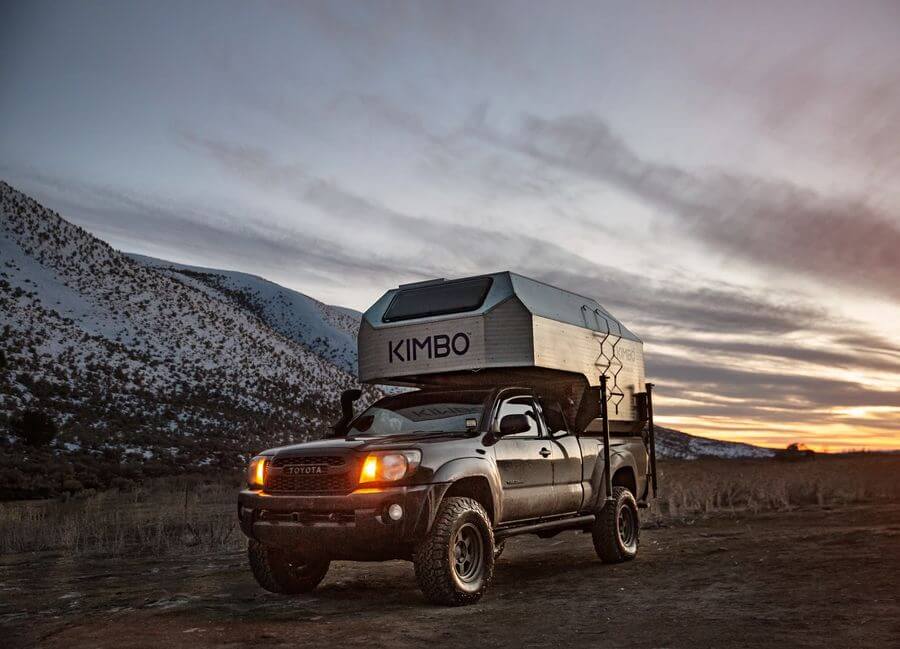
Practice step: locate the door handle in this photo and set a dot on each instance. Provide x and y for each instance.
(544, 452)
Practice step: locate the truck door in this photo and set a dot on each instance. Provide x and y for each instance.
(525, 464)
(566, 459)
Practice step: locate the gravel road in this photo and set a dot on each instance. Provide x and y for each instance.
(809, 578)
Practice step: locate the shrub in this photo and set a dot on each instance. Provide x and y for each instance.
(71, 485)
(34, 427)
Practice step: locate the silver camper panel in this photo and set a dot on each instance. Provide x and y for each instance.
(562, 346)
(393, 353)
(530, 329)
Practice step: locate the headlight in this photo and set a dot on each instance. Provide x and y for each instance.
(389, 466)
(256, 472)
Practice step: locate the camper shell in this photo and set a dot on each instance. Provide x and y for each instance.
(503, 327)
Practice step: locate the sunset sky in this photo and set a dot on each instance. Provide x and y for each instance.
(724, 178)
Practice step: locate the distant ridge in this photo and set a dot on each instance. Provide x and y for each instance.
(674, 444)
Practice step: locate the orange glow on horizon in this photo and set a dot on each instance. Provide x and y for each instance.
(831, 437)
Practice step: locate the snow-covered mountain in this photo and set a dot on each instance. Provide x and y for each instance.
(148, 367)
(135, 362)
(328, 331)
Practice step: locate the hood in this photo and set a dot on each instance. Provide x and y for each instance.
(335, 444)
(341, 446)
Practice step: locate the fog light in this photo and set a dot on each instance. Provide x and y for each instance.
(395, 512)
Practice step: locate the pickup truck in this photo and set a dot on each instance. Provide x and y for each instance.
(441, 477)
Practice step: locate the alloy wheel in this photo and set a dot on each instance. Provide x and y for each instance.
(468, 554)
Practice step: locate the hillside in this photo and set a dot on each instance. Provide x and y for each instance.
(328, 331)
(674, 444)
(142, 372)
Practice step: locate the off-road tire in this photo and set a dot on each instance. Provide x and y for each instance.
(281, 572)
(615, 540)
(435, 557)
(498, 549)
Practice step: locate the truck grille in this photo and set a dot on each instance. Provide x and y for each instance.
(338, 483)
(342, 482)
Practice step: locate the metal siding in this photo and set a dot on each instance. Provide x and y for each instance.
(507, 336)
(376, 361)
(559, 304)
(562, 346)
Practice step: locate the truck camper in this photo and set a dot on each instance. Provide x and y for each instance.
(528, 414)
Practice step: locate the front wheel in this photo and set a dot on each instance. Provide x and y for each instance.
(279, 571)
(617, 529)
(455, 561)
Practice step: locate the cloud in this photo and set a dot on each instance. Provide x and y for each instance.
(869, 357)
(138, 222)
(772, 223)
(436, 248)
(791, 391)
(827, 100)
(426, 247)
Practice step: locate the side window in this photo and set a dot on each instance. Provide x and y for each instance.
(554, 418)
(521, 406)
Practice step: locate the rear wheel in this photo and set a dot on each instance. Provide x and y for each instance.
(455, 561)
(279, 571)
(617, 529)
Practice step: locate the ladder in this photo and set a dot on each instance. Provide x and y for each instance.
(608, 365)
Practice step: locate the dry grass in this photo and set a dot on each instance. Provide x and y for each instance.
(716, 486)
(166, 517)
(184, 516)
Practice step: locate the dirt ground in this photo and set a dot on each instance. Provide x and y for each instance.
(811, 578)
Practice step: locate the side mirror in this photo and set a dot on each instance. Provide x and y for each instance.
(513, 424)
(347, 399)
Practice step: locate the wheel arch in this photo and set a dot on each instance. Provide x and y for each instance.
(624, 472)
(625, 476)
(478, 489)
(472, 478)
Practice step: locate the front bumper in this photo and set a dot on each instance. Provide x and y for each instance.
(352, 526)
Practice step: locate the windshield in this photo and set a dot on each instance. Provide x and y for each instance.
(422, 412)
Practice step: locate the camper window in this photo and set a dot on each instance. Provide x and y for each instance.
(438, 299)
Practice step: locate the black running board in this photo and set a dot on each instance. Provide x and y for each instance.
(574, 523)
